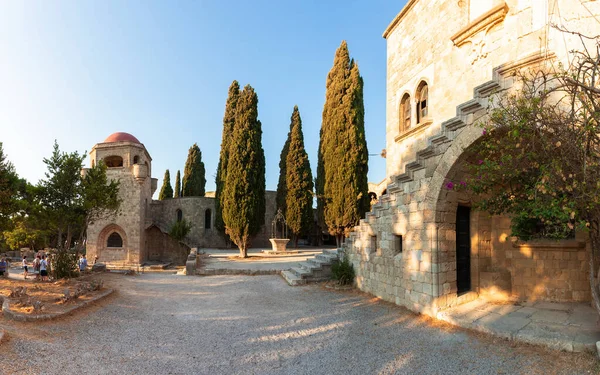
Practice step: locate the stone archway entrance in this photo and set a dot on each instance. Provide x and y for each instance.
(112, 245)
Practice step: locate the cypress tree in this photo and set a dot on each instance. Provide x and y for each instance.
(244, 189)
(166, 191)
(177, 192)
(194, 181)
(342, 168)
(228, 123)
(281, 197)
(299, 182)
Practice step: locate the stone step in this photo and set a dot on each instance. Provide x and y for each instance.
(319, 263)
(300, 272)
(291, 278)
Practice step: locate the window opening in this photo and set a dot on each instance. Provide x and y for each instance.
(207, 218)
(114, 240)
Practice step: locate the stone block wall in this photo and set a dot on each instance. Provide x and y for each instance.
(164, 214)
(161, 247)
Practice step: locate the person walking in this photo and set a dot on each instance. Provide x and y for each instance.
(44, 268)
(25, 271)
(82, 264)
(36, 266)
(3, 267)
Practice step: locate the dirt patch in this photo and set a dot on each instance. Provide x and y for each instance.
(36, 297)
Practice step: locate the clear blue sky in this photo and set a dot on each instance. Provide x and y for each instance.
(77, 71)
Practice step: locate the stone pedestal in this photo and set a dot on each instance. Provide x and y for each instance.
(279, 244)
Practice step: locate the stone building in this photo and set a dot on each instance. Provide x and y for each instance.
(139, 233)
(422, 246)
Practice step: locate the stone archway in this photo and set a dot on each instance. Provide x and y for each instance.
(108, 249)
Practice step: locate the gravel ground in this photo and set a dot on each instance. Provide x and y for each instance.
(168, 324)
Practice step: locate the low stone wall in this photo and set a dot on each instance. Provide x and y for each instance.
(549, 270)
(9, 314)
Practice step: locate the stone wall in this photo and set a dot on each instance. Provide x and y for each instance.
(161, 247)
(164, 214)
(129, 223)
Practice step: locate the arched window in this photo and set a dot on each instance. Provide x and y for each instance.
(136, 159)
(114, 240)
(179, 215)
(422, 102)
(207, 218)
(405, 112)
(113, 161)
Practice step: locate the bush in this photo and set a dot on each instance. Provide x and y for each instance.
(180, 229)
(63, 264)
(343, 272)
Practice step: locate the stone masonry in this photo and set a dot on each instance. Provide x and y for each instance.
(464, 53)
(143, 223)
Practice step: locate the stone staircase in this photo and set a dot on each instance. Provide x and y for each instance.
(312, 270)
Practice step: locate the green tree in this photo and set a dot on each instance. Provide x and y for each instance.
(61, 195)
(166, 191)
(299, 182)
(244, 189)
(194, 180)
(281, 196)
(71, 200)
(9, 189)
(228, 124)
(342, 188)
(177, 192)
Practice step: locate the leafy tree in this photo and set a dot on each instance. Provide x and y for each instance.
(281, 196)
(299, 182)
(194, 181)
(177, 192)
(9, 188)
(244, 189)
(166, 191)
(539, 157)
(71, 200)
(342, 188)
(228, 124)
(61, 195)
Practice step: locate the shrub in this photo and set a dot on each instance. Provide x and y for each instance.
(180, 229)
(63, 264)
(343, 272)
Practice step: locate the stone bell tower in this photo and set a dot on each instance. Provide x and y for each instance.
(120, 239)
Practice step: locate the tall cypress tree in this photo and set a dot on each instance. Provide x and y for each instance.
(194, 181)
(244, 189)
(342, 187)
(228, 123)
(177, 192)
(299, 182)
(166, 191)
(281, 197)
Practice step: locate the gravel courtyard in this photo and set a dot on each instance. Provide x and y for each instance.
(168, 324)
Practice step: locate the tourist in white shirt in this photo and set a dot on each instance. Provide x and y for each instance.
(44, 268)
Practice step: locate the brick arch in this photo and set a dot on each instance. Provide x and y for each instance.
(108, 254)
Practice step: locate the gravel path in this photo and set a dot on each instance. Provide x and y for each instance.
(168, 324)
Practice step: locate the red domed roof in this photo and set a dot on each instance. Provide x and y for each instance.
(121, 137)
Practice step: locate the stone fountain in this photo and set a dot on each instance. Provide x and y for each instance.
(279, 236)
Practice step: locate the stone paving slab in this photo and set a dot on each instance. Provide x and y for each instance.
(571, 327)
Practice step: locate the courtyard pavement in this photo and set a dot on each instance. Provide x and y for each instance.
(161, 323)
(258, 261)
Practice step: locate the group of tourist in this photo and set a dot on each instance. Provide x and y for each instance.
(40, 267)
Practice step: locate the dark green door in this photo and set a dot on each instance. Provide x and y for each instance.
(463, 249)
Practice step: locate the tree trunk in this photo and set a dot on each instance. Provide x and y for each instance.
(295, 241)
(594, 243)
(243, 251)
(338, 240)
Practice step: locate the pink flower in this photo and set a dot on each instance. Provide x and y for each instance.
(480, 162)
(450, 185)
(484, 132)
(463, 183)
